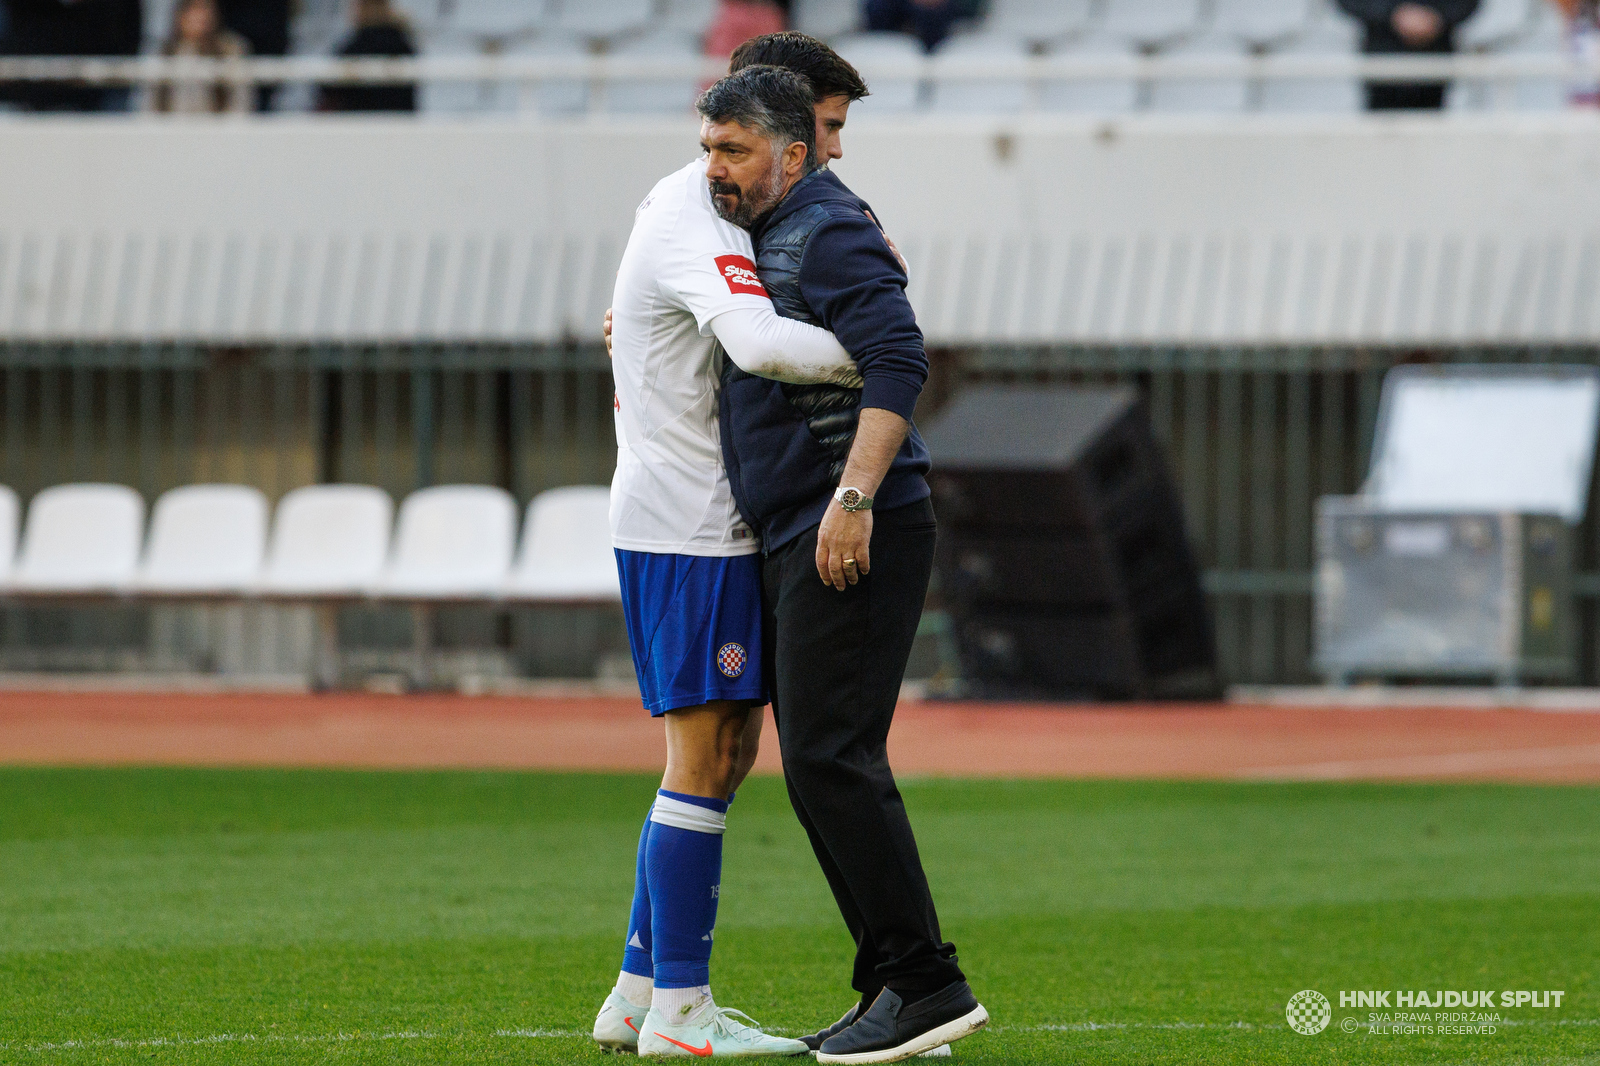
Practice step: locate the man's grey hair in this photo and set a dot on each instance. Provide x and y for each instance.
(775, 102)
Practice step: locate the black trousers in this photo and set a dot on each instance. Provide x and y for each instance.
(1405, 95)
(837, 660)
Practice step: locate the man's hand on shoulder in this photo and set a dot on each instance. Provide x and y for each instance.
(890, 242)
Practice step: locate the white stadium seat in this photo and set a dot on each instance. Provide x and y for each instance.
(871, 52)
(1263, 23)
(566, 554)
(691, 16)
(1541, 94)
(497, 18)
(452, 542)
(1497, 23)
(1037, 21)
(80, 539)
(9, 516)
(825, 18)
(205, 540)
(1108, 96)
(1330, 36)
(556, 96)
(994, 96)
(1151, 24)
(328, 540)
(601, 19)
(456, 97)
(423, 16)
(1544, 35)
(674, 96)
(1210, 95)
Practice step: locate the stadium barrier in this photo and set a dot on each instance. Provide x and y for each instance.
(1021, 230)
(329, 545)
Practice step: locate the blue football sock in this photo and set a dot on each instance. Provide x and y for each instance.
(684, 866)
(636, 955)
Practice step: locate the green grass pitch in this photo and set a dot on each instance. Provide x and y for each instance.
(201, 916)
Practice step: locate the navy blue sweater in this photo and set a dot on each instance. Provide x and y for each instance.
(854, 286)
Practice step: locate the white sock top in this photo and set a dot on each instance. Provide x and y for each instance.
(680, 1006)
(635, 989)
(691, 816)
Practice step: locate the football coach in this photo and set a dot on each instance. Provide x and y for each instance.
(834, 480)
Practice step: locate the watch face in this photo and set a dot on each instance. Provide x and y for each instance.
(851, 499)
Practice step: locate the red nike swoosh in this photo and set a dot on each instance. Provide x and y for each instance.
(629, 1023)
(701, 1051)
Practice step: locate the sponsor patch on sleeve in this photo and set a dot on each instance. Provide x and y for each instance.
(740, 274)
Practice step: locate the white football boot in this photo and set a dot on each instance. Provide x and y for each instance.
(720, 1032)
(616, 1027)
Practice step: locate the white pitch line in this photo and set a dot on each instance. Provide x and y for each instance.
(1461, 762)
(570, 1034)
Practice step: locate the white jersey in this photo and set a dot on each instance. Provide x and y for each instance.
(683, 267)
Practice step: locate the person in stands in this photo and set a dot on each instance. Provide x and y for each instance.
(1408, 27)
(1583, 41)
(929, 20)
(738, 21)
(70, 28)
(379, 31)
(197, 31)
(265, 24)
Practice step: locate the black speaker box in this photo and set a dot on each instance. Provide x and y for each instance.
(1062, 557)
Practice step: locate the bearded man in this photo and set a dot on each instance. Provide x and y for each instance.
(810, 466)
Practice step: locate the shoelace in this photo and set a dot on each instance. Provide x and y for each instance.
(728, 1023)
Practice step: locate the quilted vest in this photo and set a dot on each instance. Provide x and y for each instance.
(830, 411)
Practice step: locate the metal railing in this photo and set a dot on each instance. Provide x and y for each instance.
(1254, 436)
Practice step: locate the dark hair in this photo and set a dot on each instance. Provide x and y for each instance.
(774, 101)
(824, 68)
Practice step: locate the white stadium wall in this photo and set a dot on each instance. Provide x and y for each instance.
(1464, 229)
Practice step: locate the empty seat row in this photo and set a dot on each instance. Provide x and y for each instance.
(1156, 24)
(326, 542)
(1286, 28)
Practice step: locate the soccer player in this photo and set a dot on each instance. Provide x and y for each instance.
(687, 296)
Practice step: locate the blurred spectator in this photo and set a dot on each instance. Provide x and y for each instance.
(737, 21)
(379, 31)
(197, 30)
(928, 19)
(71, 28)
(265, 24)
(1583, 37)
(1408, 27)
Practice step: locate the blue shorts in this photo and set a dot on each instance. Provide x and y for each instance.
(694, 623)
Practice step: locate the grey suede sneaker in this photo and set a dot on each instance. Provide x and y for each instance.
(815, 1040)
(890, 1030)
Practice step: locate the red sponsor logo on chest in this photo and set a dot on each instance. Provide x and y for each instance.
(740, 274)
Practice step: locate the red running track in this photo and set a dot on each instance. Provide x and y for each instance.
(1025, 740)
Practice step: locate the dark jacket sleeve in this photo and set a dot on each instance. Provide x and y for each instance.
(853, 283)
